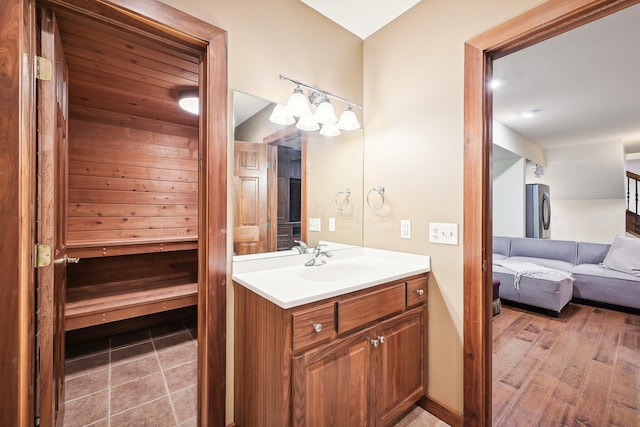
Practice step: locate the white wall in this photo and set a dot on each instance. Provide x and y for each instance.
(516, 143)
(509, 197)
(597, 221)
(414, 146)
(584, 171)
(587, 191)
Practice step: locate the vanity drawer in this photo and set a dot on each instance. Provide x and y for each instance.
(417, 290)
(313, 326)
(360, 310)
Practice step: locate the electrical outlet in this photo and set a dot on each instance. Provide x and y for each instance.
(405, 228)
(315, 224)
(443, 233)
(332, 224)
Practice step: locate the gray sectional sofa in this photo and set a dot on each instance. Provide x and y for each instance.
(590, 279)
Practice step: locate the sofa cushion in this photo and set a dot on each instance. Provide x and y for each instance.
(497, 257)
(561, 250)
(597, 283)
(592, 253)
(501, 245)
(624, 255)
(603, 272)
(549, 263)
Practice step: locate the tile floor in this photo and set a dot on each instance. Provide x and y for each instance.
(143, 378)
(147, 378)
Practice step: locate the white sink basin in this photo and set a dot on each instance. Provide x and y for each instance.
(287, 282)
(334, 272)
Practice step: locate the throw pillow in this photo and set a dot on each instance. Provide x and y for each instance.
(624, 255)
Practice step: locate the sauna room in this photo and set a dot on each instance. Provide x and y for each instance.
(121, 187)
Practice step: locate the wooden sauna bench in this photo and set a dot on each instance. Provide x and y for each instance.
(102, 289)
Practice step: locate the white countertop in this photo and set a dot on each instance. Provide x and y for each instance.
(288, 283)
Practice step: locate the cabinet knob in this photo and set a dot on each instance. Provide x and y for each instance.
(420, 292)
(317, 327)
(375, 342)
(381, 339)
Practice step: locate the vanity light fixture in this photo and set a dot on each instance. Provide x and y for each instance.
(189, 101)
(299, 106)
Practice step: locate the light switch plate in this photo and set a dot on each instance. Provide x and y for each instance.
(315, 224)
(332, 224)
(443, 233)
(405, 228)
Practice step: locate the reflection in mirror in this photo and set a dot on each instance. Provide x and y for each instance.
(287, 180)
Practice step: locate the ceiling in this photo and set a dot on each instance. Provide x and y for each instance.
(361, 17)
(584, 84)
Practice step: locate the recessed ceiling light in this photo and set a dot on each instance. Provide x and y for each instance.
(494, 83)
(529, 113)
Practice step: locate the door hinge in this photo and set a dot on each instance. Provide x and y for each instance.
(268, 164)
(43, 255)
(484, 265)
(44, 69)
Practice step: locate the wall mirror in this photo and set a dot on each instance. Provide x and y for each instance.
(292, 185)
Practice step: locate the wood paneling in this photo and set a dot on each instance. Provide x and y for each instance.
(115, 70)
(113, 195)
(548, 19)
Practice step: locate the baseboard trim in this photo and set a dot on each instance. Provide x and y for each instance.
(441, 411)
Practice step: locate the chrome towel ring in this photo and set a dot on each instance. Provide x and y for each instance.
(380, 190)
(342, 199)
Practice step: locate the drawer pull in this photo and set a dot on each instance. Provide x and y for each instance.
(375, 342)
(317, 327)
(420, 292)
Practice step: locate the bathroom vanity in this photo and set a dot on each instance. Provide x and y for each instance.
(341, 344)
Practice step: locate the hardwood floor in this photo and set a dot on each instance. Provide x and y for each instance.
(582, 368)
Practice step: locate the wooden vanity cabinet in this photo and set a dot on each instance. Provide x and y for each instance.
(354, 360)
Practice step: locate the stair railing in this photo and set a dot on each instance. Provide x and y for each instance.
(633, 215)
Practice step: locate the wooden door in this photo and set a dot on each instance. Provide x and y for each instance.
(399, 364)
(51, 279)
(331, 385)
(251, 199)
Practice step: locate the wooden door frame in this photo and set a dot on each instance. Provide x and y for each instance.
(17, 194)
(278, 138)
(545, 21)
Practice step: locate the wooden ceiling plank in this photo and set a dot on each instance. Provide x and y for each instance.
(132, 64)
(74, 24)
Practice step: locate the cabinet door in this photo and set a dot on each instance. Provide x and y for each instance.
(400, 365)
(331, 384)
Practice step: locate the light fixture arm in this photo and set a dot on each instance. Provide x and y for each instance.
(315, 89)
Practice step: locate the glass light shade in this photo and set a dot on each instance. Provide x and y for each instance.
(297, 104)
(189, 101)
(308, 122)
(325, 113)
(329, 129)
(281, 115)
(348, 120)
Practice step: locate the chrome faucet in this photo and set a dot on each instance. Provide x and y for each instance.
(319, 256)
(300, 246)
